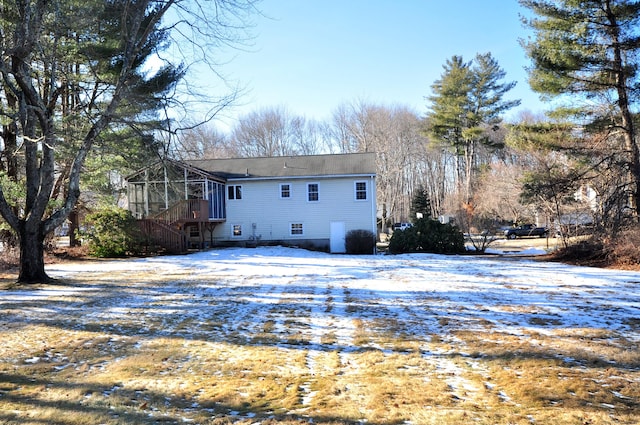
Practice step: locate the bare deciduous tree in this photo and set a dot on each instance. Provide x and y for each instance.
(202, 142)
(393, 132)
(274, 131)
(498, 193)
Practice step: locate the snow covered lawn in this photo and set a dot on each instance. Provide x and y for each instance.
(285, 336)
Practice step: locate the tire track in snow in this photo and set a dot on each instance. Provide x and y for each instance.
(329, 330)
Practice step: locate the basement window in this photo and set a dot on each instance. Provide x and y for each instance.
(297, 229)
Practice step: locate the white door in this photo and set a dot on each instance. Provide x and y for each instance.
(337, 242)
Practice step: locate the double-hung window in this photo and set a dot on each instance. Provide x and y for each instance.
(361, 191)
(285, 191)
(236, 230)
(313, 192)
(234, 192)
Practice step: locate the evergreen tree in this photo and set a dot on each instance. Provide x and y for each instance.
(588, 51)
(466, 100)
(420, 204)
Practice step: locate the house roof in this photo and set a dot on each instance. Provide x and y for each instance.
(290, 166)
(173, 163)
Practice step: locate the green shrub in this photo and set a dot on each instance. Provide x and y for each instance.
(403, 241)
(360, 242)
(112, 232)
(427, 235)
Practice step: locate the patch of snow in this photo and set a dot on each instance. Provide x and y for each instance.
(312, 295)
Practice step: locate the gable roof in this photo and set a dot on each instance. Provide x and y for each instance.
(290, 166)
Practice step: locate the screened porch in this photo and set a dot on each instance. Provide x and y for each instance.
(177, 192)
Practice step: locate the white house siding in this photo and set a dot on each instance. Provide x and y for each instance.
(261, 204)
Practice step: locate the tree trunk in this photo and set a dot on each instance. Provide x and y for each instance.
(622, 84)
(469, 162)
(32, 254)
(73, 227)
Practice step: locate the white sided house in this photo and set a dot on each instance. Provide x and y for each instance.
(308, 201)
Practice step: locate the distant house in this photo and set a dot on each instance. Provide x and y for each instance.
(310, 201)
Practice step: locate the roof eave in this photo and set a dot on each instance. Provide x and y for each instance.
(305, 177)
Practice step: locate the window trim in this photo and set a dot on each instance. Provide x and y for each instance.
(356, 191)
(309, 192)
(233, 230)
(288, 190)
(291, 228)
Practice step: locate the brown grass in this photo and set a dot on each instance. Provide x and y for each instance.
(247, 364)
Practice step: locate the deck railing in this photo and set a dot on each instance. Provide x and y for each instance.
(189, 210)
(166, 228)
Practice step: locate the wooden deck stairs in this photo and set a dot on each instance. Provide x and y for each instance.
(165, 229)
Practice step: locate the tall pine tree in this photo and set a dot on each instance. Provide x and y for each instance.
(587, 53)
(466, 100)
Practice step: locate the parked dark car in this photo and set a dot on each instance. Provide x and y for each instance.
(402, 226)
(525, 230)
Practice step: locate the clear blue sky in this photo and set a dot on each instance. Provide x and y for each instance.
(313, 55)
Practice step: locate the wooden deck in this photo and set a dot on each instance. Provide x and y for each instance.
(166, 228)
